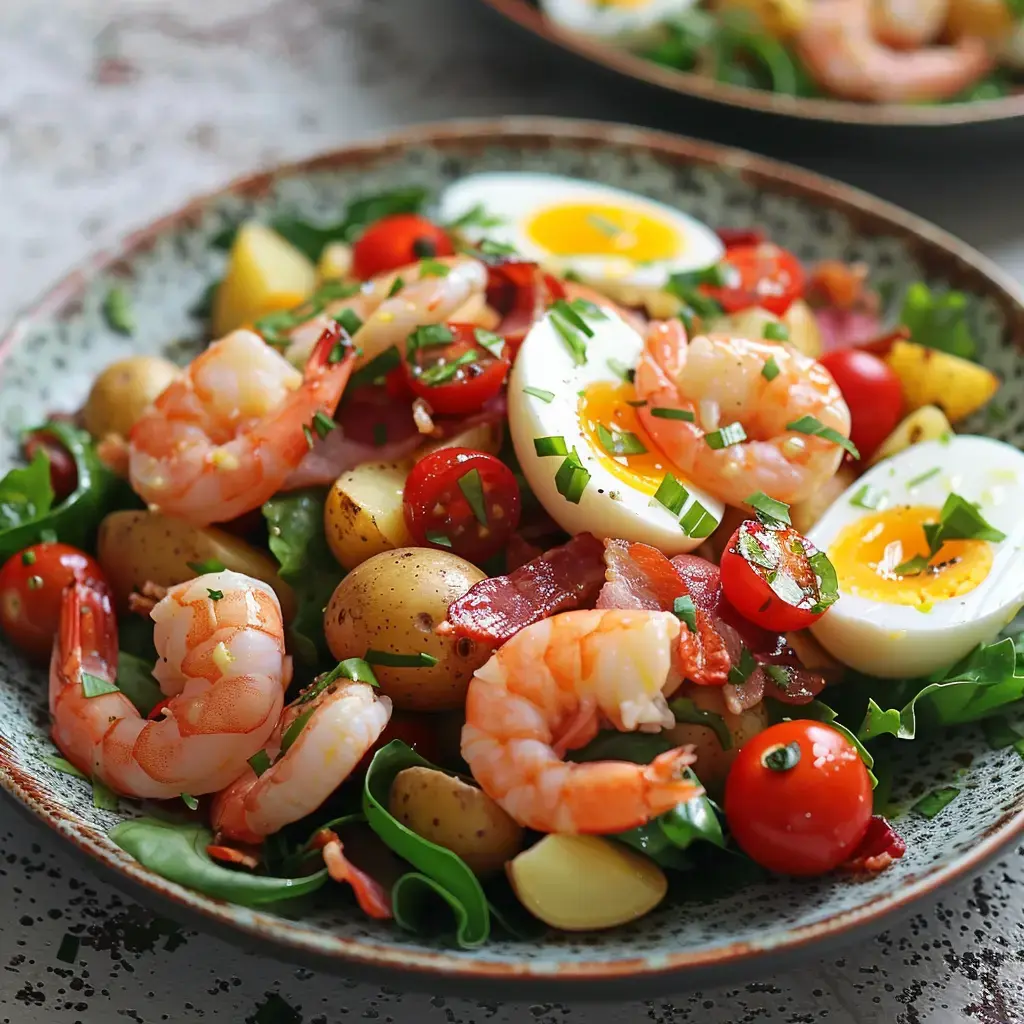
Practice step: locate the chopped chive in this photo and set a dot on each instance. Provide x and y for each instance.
(63, 766)
(28, 558)
(396, 286)
(211, 565)
(67, 952)
(215, 595)
(620, 369)
(672, 494)
(259, 762)
(432, 268)
(779, 675)
(572, 478)
(770, 370)
(572, 329)
(419, 660)
(472, 487)
(922, 477)
(775, 332)
(587, 308)
(117, 310)
(725, 437)
(684, 609)
(494, 343)
(380, 434)
(427, 336)
(620, 443)
(544, 396)
(717, 275)
(869, 497)
(488, 247)
(322, 424)
(358, 670)
(698, 521)
(308, 435)
(769, 507)
(103, 797)
(189, 801)
(553, 445)
(350, 321)
(476, 217)
(441, 373)
(94, 686)
(782, 758)
(813, 427)
(741, 672)
(930, 805)
(434, 537)
(291, 734)
(376, 369)
(674, 414)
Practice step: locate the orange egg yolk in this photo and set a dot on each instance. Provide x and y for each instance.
(629, 4)
(867, 553)
(591, 229)
(606, 403)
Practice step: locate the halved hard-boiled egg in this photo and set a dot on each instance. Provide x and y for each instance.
(598, 232)
(623, 20)
(928, 549)
(580, 443)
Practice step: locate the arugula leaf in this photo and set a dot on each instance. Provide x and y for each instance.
(297, 540)
(938, 320)
(135, 680)
(25, 493)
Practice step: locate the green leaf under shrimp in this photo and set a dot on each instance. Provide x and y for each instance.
(177, 852)
(135, 680)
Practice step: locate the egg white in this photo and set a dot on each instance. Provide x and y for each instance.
(897, 641)
(610, 507)
(625, 23)
(515, 197)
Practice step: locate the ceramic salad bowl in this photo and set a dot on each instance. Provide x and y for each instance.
(51, 353)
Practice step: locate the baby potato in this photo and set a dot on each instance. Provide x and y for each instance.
(123, 391)
(928, 423)
(581, 883)
(807, 512)
(461, 818)
(137, 547)
(392, 602)
(713, 763)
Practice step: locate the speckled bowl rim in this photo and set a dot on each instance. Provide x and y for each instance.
(686, 83)
(639, 977)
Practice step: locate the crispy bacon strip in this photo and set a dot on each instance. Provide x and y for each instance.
(560, 580)
(881, 845)
(233, 855)
(372, 897)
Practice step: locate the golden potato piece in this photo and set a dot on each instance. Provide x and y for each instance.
(457, 816)
(928, 423)
(335, 262)
(582, 883)
(123, 391)
(930, 377)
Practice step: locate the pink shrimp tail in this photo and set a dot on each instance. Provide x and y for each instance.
(227, 810)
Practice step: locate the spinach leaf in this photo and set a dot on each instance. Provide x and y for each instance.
(135, 680)
(440, 876)
(297, 540)
(312, 239)
(177, 852)
(25, 494)
(938, 320)
(636, 747)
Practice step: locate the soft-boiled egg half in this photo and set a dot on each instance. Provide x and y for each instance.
(598, 232)
(623, 20)
(895, 620)
(581, 445)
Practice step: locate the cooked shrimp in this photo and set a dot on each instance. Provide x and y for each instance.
(223, 438)
(221, 662)
(908, 24)
(389, 319)
(720, 380)
(839, 47)
(340, 723)
(546, 690)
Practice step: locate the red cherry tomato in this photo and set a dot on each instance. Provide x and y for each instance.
(734, 237)
(872, 391)
(418, 731)
(763, 275)
(31, 584)
(63, 471)
(460, 376)
(462, 500)
(397, 241)
(798, 798)
(768, 577)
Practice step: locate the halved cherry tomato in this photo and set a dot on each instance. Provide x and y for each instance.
(397, 241)
(768, 577)
(462, 500)
(798, 798)
(31, 584)
(460, 375)
(872, 391)
(734, 237)
(764, 275)
(63, 471)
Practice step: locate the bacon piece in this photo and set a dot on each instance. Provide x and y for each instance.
(704, 582)
(732, 237)
(640, 576)
(244, 858)
(560, 580)
(373, 899)
(521, 292)
(881, 845)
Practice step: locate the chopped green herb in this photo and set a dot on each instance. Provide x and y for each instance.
(770, 370)
(419, 660)
(587, 308)
(620, 443)
(959, 519)
(779, 675)
(350, 321)
(913, 566)
(571, 479)
(753, 551)
(117, 309)
(322, 424)
(673, 414)
(380, 434)
(336, 354)
(999, 733)
(432, 268)
(698, 521)
(869, 497)
(684, 609)
(672, 494)
(930, 805)
(775, 332)
(376, 369)
(782, 758)
(190, 801)
(427, 336)
(211, 565)
(926, 475)
(215, 595)
(938, 320)
(828, 581)
(94, 686)
(291, 734)
(434, 537)
(724, 437)
(103, 797)
(769, 510)
(544, 396)
(621, 370)
(396, 286)
(494, 343)
(259, 762)
(553, 445)
(443, 372)
(308, 435)
(572, 329)
(68, 951)
(476, 217)
(685, 710)
(28, 558)
(813, 427)
(718, 275)
(63, 766)
(495, 250)
(740, 673)
(472, 487)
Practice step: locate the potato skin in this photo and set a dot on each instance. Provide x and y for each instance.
(928, 423)
(393, 602)
(461, 818)
(123, 391)
(930, 377)
(136, 547)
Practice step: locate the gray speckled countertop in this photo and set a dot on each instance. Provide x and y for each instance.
(113, 111)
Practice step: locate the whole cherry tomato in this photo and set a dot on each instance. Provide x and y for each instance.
(31, 585)
(872, 391)
(456, 368)
(761, 275)
(397, 241)
(63, 471)
(798, 798)
(769, 578)
(462, 500)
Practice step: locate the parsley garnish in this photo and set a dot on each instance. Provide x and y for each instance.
(958, 520)
(572, 478)
(740, 673)
(769, 510)
(94, 686)
(472, 487)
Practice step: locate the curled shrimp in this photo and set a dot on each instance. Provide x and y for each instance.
(339, 723)
(223, 438)
(546, 691)
(221, 663)
(843, 54)
(908, 24)
(720, 380)
(389, 316)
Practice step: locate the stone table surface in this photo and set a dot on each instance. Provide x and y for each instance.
(114, 111)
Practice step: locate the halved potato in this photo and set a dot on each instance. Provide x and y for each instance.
(930, 377)
(928, 423)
